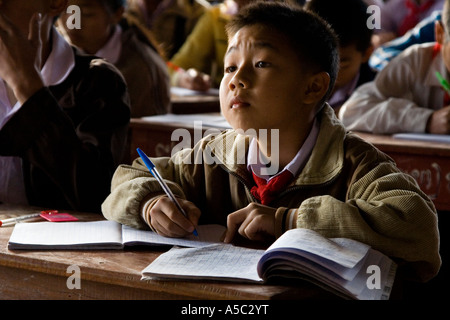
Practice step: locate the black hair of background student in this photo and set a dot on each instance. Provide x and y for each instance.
(349, 21)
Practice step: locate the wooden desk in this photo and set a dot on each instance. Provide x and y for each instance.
(194, 104)
(155, 137)
(113, 274)
(185, 101)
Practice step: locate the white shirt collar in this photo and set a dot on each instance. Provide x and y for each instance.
(60, 62)
(112, 49)
(297, 163)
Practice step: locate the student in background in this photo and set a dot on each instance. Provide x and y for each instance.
(171, 21)
(280, 68)
(198, 65)
(406, 96)
(399, 16)
(63, 116)
(106, 33)
(355, 46)
(423, 32)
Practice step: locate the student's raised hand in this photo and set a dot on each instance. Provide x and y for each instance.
(168, 221)
(439, 121)
(194, 80)
(20, 57)
(254, 222)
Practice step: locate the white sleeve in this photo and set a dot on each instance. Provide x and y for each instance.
(369, 110)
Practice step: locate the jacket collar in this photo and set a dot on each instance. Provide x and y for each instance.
(326, 161)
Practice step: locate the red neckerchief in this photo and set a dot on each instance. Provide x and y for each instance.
(267, 192)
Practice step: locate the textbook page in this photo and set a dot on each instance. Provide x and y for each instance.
(345, 252)
(101, 235)
(66, 235)
(220, 261)
(207, 235)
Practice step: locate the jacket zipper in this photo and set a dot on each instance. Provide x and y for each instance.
(241, 180)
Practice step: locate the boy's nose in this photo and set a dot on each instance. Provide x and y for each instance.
(239, 81)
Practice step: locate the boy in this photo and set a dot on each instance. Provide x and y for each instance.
(406, 96)
(63, 116)
(355, 46)
(280, 67)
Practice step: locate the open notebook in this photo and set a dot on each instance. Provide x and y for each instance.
(100, 235)
(346, 267)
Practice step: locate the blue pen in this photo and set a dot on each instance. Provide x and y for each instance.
(165, 187)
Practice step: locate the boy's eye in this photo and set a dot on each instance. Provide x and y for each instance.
(261, 64)
(230, 69)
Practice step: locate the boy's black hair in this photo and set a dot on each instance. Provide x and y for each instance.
(348, 18)
(309, 35)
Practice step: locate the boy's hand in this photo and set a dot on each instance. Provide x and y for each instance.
(439, 121)
(168, 221)
(194, 80)
(254, 222)
(20, 57)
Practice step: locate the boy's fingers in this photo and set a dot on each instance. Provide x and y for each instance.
(234, 221)
(192, 211)
(175, 215)
(167, 228)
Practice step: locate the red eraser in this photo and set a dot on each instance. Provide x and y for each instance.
(58, 217)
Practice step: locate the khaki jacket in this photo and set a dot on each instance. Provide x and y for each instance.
(348, 188)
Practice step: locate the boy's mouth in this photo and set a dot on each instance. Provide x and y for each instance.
(238, 103)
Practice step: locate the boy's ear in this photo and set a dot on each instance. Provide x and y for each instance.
(439, 32)
(57, 7)
(317, 87)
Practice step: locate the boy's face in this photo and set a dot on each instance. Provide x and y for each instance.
(264, 82)
(97, 23)
(349, 64)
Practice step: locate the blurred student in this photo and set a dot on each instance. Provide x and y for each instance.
(406, 96)
(355, 44)
(198, 65)
(280, 68)
(63, 116)
(400, 16)
(106, 33)
(423, 32)
(170, 21)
